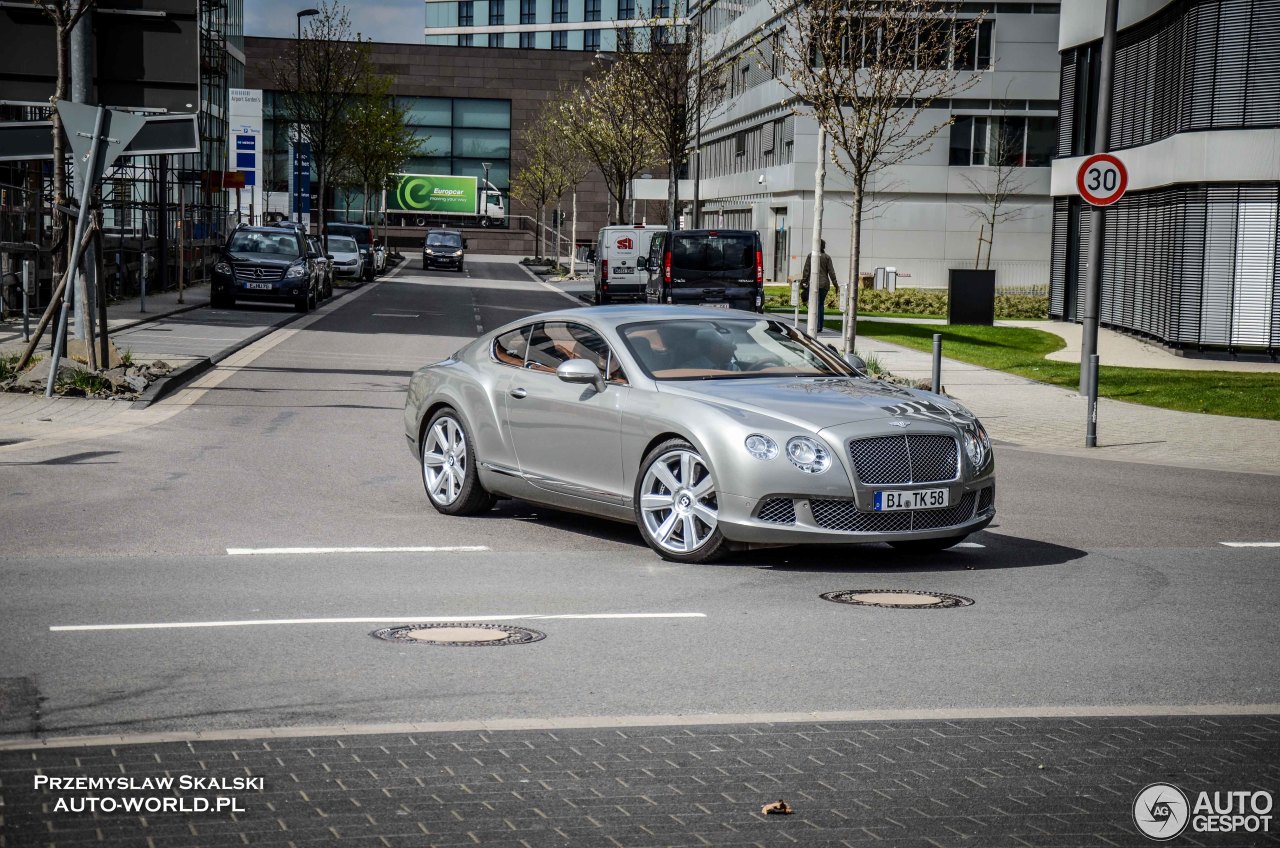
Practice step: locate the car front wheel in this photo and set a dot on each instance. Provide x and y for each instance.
(449, 468)
(676, 504)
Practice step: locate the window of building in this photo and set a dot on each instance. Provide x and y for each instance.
(559, 40)
(1006, 140)
(466, 40)
(497, 12)
(626, 9)
(559, 11)
(526, 40)
(591, 40)
(591, 10)
(495, 39)
(974, 54)
(459, 135)
(466, 13)
(661, 8)
(528, 14)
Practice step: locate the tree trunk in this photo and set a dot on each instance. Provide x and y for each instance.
(573, 243)
(991, 240)
(62, 39)
(855, 254)
(542, 233)
(814, 325)
(673, 191)
(364, 205)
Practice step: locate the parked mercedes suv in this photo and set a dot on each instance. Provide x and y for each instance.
(722, 268)
(271, 264)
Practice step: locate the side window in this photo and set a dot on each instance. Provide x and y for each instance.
(549, 345)
(509, 348)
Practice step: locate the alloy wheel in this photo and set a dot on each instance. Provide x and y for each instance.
(444, 460)
(678, 501)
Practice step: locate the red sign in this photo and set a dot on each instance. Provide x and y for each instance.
(1102, 179)
(626, 243)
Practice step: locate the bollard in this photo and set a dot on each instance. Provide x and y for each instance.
(1091, 428)
(937, 363)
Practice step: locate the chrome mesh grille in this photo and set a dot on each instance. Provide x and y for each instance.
(249, 273)
(905, 459)
(987, 498)
(843, 515)
(778, 511)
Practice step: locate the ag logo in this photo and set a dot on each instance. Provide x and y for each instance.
(1161, 811)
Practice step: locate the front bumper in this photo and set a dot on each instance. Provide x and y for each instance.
(790, 519)
(429, 261)
(347, 272)
(279, 291)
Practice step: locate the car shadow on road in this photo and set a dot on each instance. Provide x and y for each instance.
(997, 552)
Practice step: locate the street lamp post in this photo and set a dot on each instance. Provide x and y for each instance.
(297, 85)
(697, 139)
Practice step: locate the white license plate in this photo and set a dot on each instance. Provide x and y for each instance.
(719, 305)
(918, 499)
(263, 286)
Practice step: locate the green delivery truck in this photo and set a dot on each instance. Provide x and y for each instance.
(420, 200)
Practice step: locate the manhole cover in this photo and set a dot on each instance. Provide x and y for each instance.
(459, 635)
(897, 599)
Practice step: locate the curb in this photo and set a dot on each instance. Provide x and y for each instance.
(178, 378)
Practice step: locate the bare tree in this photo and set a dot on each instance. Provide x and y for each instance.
(64, 14)
(605, 126)
(869, 72)
(541, 177)
(1001, 181)
(667, 66)
(376, 141)
(322, 78)
(576, 167)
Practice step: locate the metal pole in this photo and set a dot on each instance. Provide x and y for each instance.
(697, 142)
(937, 362)
(82, 220)
(1097, 223)
(82, 92)
(28, 279)
(182, 240)
(297, 84)
(144, 265)
(815, 309)
(1091, 428)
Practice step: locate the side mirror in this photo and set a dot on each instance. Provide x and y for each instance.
(464, 244)
(857, 363)
(581, 371)
(642, 264)
(328, 256)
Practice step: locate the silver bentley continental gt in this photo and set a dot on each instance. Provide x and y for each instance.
(710, 429)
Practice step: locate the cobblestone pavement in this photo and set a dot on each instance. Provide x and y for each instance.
(979, 782)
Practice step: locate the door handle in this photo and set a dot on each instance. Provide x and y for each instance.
(518, 393)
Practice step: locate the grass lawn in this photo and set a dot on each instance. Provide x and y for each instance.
(1021, 351)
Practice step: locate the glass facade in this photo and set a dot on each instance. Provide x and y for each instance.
(559, 11)
(559, 40)
(459, 135)
(526, 40)
(591, 40)
(528, 13)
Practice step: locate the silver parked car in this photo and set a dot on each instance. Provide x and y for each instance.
(709, 429)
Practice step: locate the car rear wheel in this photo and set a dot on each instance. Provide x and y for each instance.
(448, 467)
(928, 546)
(676, 505)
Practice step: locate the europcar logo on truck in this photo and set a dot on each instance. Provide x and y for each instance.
(436, 193)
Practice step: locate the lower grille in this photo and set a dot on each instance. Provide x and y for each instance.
(778, 511)
(987, 498)
(843, 515)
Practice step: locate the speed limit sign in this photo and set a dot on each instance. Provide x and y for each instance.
(1102, 179)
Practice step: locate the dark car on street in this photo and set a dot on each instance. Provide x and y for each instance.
(723, 268)
(324, 268)
(443, 249)
(272, 264)
(364, 238)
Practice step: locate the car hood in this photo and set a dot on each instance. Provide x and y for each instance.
(261, 261)
(344, 256)
(821, 402)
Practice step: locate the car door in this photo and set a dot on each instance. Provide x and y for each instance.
(567, 436)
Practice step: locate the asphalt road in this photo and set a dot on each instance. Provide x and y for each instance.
(1101, 583)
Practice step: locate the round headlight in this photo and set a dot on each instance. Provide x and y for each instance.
(222, 268)
(808, 455)
(977, 444)
(761, 447)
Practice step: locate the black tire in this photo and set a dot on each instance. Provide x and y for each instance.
(470, 498)
(714, 546)
(928, 546)
(485, 222)
(424, 261)
(302, 304)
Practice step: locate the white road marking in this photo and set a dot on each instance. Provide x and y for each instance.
(400, 619)
(1251, 544)
(968, 545)
(358, 550)
(396, 315)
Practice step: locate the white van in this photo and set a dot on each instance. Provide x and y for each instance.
(619, 250)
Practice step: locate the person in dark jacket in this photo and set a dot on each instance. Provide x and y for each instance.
(826, 276)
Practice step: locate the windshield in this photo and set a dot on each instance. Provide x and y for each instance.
(281, 245)
(444, 240)
(702, 252)
(728, 348)
(342, 244)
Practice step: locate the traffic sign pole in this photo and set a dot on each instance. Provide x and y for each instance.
(1097, 227)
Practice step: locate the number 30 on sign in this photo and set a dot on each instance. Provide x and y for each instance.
(1102, 179)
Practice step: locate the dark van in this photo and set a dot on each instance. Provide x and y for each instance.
(722, 268)
(364, 240)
